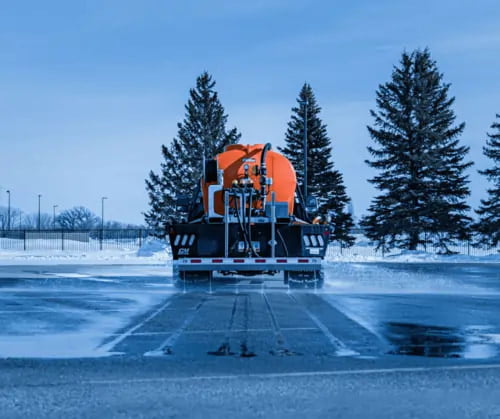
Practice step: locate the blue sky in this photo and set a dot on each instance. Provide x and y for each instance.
(89, 90)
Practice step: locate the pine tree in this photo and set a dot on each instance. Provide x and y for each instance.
(488, 226)
(202, 134)
(323, 180)
(420, 160)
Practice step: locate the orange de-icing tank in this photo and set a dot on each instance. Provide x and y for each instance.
(233, 160)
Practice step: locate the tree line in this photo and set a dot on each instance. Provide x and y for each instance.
(76, 218)
(421, 164)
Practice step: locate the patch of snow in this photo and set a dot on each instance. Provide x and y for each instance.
(493, 338)
(152, 247)
(383, 278)
(152, 252)
(84, 342)
(367, 254)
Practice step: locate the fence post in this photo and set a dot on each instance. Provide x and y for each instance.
(140, 238)
(24, 239)
(62, 240)
(468, 247)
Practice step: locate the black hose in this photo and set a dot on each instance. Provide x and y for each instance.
(243, 229)
(263, 173)
(283, 243)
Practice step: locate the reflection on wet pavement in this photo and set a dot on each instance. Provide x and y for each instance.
(442, 342)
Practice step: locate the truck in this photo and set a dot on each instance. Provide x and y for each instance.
(247, 217)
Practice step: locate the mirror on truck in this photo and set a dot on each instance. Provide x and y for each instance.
(210, 174)
(311, 204)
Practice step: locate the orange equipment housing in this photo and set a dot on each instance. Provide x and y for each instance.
(232, 162)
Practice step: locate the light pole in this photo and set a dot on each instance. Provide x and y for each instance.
(8, 211)
(39, 224)
(102, 219)
(304, 104)
(54, 216)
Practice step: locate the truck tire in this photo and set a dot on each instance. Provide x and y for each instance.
(187, 278)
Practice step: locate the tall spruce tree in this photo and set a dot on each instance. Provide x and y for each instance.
(323, 180)
(420, 162)
(488, 226)
(202, 134)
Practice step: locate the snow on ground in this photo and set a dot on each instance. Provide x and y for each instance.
(65, 331)
(151, 252)
(376, 278)
(364, 251)
(155, 251)
(362, 255)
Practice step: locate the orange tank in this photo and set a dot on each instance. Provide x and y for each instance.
(233, 160)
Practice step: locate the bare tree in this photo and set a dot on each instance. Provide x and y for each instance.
(30, 221)
(15, 217)
(78, 218)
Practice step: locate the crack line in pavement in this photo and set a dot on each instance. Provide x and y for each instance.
(224, 348)
(245, 353)
(166, 347)
(280, 343)
(340, 348)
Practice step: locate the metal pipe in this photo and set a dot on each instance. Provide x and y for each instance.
(54, 216)
(273, 226)
(305, 103)
(226, 224)
(39, 196)
(102, 220)
(8, 212)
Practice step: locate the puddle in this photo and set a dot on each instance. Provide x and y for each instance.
(472, 342)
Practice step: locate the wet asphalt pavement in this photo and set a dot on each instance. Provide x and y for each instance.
(380, 340)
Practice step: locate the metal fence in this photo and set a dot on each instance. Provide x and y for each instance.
(362, 248)
(133, 239)
(73, 240)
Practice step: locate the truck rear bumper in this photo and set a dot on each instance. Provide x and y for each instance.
(248, 264)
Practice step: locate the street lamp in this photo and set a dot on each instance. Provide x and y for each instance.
(8, 211)
(102, 219)
(304, 104)
(54, 216)
(39, 224)
(102, 211)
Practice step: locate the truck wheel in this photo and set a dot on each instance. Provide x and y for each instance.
(192, 278)
(317, 281)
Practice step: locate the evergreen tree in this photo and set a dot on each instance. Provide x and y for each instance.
(323, 180)
(201, 135)
(420, 160)
(488, 226)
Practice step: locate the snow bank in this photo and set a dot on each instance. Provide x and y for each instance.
(152, 251)
(364, 254)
